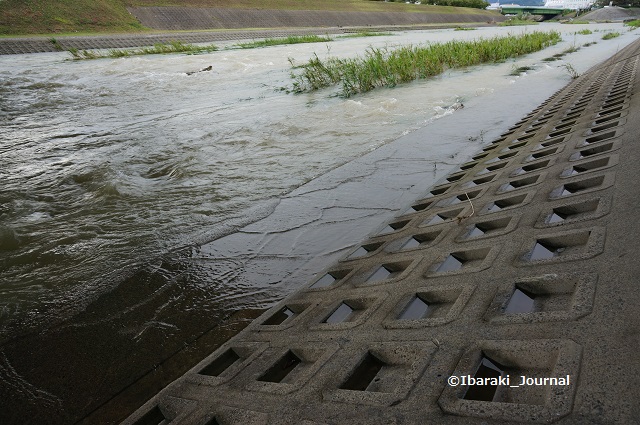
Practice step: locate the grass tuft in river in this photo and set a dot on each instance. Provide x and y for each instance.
(385, 67)
(292, 39)
(172, 47)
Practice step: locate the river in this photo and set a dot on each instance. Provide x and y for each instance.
(107, 165)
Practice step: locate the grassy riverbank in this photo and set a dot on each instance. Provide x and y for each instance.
(24, 17)
(382, 67)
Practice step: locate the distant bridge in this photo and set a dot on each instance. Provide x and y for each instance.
(534, 10)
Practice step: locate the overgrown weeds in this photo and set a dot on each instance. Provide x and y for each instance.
(520, 19)
(292, 39)
(634, 24)
(610, 35)
(385, 67)
(584, 32)
(171, 47)
(573, 73)
(365, 34)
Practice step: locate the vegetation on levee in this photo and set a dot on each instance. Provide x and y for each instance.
(610, 35)
(584, 32)
(20, 17)
(172, 47)
(65, 16)
(634, 24)
(464, 29)
(385, 67)
(577, 22)
(292, 39)
(365, 34)
(513, 22)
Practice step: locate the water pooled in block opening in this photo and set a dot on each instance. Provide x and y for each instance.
(393, 227)
(475, 232)
(411, 243)
(437, 219)
(487, 369)
(279, 371)
(326, 280)
(221, 363)
(364, 374)
(556, 217)
(359, 252)
(152, 417)
(416, 309)
(541, 252)
(340, 314)
(520, 302)
(420, 207)
(449, 264)
(278, 318)
(382, 273)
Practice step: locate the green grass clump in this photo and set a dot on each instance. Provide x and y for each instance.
(634, 24)
(365, 34)
(610, 35)
(464, 29)
(172, 47)
(516, 22)
(584, 32)
(292, 39)
(384, 67)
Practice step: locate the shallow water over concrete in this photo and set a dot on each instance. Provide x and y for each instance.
(109, 164)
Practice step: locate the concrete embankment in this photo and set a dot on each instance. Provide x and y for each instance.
(520, 263)
(190, 18)
(242, 24)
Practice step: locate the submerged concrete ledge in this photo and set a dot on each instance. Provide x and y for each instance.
(520, 263)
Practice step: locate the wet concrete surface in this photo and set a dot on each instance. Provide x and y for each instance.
(583, 323)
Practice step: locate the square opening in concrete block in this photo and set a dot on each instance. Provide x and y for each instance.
(573, 212)
(531, 167)
(480, 155)
(513, 146)
(564, 124)
(443, 217)
(420, 240)
(607, 118)
(539, 379)
(392, 227)
(430, 304)
(221, 363)
(282, 369)
(567, 246)
(455, 177)
(285, 314)
(609, 110)
(331, 278)
(502, 157)
(468, 165)
(363, 377)
(559, 133)
(364, 250)
(439, 190)
(603, 127)
(461, 260)
(544, 298)
(386, 271)
(548, 143)
(596, 150)
(153, 417)
(587, 166)
(478, 181)
(542, 153)
(519, 183)
(492, 168)
(463, 197)
(570, 189)
(343, 313)
(487, 228)
(504, 203)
